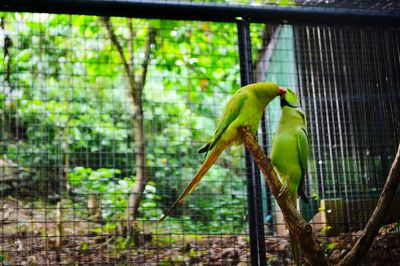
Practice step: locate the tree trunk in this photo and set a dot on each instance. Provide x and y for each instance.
(139, 148)
(135, 86)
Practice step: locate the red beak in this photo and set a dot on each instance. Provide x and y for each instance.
(282, 91)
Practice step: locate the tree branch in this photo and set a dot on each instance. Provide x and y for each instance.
(128, 68)
(132, 36)
(297, 225)
(7, 55)
(376, 220)
(135, 89)
(150, 40)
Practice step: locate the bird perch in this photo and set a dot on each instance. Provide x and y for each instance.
(301, 229)
(297, 225)
(378, 216)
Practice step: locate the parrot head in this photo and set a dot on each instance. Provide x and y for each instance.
(266, 91)
(290, 98)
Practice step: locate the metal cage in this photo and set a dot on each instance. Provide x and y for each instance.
(69, 127)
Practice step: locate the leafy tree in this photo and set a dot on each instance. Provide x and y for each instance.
(69, 107)
(135, 84)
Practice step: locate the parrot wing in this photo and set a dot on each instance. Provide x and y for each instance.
(302, 144)
(273, 138)
(230, 113)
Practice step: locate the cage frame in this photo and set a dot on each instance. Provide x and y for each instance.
(175, 10)
(243, 16)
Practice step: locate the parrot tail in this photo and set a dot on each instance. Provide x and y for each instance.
(295, 249)
(300, 191)
(303, 195)
(215, 153)
(293, 241)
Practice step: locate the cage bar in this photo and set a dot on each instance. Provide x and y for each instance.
(182, 10)
(256, 221)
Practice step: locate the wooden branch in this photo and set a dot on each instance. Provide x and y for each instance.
(59, 230)
(132, 37)
(135, 90)
(150, 40)
(128, 69)
(376, 220)
(136, 194)
(7, 44)
(297, 225)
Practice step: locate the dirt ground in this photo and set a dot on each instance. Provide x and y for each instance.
(26, 240)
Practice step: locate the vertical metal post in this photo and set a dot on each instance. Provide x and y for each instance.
(268, 199)
(256, 221)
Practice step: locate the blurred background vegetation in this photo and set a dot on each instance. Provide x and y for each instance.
(66, 115)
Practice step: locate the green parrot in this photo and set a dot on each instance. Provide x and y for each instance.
(245, 108)
(289, 154)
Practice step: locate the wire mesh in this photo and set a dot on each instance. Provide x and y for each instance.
(353, 100)
(373, 5)
(348, 86)
(72, 107)
(68, 137)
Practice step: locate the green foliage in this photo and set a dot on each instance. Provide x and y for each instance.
(2, 256)
(112, 190)
(330, 247)
(86, 181)
(326, 229)
(315, 196)
(67, 104)
(85, 247)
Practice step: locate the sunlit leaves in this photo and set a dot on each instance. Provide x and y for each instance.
(68, 94)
